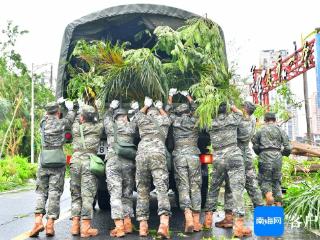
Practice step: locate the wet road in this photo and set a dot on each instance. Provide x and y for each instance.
(16, 219)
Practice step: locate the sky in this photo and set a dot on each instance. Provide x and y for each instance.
(249, 26)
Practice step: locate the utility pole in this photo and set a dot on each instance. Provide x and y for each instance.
(32, 114)
(306, 106)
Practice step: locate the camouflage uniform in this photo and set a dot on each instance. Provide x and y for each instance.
(187, 167)
(50, 181)
(245, 133)
(83, 184)
(228, 161)
(151, 164)
(119, 171)
(268, 141)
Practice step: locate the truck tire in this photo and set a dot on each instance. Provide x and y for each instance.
(204, 189)
(103, 199)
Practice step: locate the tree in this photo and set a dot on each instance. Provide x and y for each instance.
(15, 96)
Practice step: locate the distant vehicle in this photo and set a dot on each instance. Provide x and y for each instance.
(122, 23)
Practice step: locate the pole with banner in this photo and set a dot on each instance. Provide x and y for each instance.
(317, 61)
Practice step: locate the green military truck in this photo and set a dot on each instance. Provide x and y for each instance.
(122, 23)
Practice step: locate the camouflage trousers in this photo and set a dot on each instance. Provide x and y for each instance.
(228, 163)
(187, 173)
(151, 166)
(270, 164)
(83, 186)
(251, 183)
(120, 183)
(50, 183)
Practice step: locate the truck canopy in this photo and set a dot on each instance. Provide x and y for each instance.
(120, 23)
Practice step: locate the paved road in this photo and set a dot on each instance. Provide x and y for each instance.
(16, 218)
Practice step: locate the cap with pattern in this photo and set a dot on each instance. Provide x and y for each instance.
(52, 107)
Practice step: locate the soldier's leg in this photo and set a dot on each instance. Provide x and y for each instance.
(265, 175)
(128, 169)
(182, 181)
(42, 188)
(143, 181)
(276, 181)
(75, 188)
(56, 185)
(114, 184)
(251, 184)
(89, 186)
(227, 222)
(236, 174)
(160, 176)
(128, 181)
(195, 180)
(217, 177)
(88, 189)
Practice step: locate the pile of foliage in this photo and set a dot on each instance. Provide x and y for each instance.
(15, 97)
(302, 201)
(15, 171)
(191, 57)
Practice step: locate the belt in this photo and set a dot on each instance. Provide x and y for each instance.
(270, 149)
(225, 146)
(52, 147)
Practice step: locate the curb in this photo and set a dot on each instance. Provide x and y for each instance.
(26, 188)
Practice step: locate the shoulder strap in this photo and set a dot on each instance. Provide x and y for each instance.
(115, 131)
(82, 136)
(43, 123)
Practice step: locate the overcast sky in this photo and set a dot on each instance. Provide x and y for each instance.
(248, 25)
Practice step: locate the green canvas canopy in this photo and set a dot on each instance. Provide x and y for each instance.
(120, 23)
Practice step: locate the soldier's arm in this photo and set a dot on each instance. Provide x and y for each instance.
(69, 118)
(286, 144)
(256, 143)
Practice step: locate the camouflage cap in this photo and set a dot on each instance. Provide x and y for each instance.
(87, 109)
(249, 106)
(52, 107)
(118, 112)
(270, 116)
(182, 108)
(152, 111)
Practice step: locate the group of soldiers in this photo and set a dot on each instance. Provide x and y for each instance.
(230, 134)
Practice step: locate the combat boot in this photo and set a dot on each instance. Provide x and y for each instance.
(208, 220)
(239, 230)
(143, 229)
(86, 230)
(197, 226)
(118, 231)
(269, 199)
(50, 227)
(75, 228)
(163, 230)
(127, 225)
(38, 225)
(278, 204)
(189, 225)
(227, 222)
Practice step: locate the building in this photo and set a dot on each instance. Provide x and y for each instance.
(268, 58)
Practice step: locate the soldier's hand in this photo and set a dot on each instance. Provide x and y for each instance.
(172, 92)
(184, 93)
(76, 106)
(61, 100)
(158, 104)
(148, 102)
(134, 105)
(114, 104)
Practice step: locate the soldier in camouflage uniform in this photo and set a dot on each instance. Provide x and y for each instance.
(228, 162)
(271, 143)
(153, 124)
(119, 170)
(50, 181)
(83, 184)
(246, 131)
(187, 167)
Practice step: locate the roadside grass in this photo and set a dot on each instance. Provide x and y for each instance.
(15, 172)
